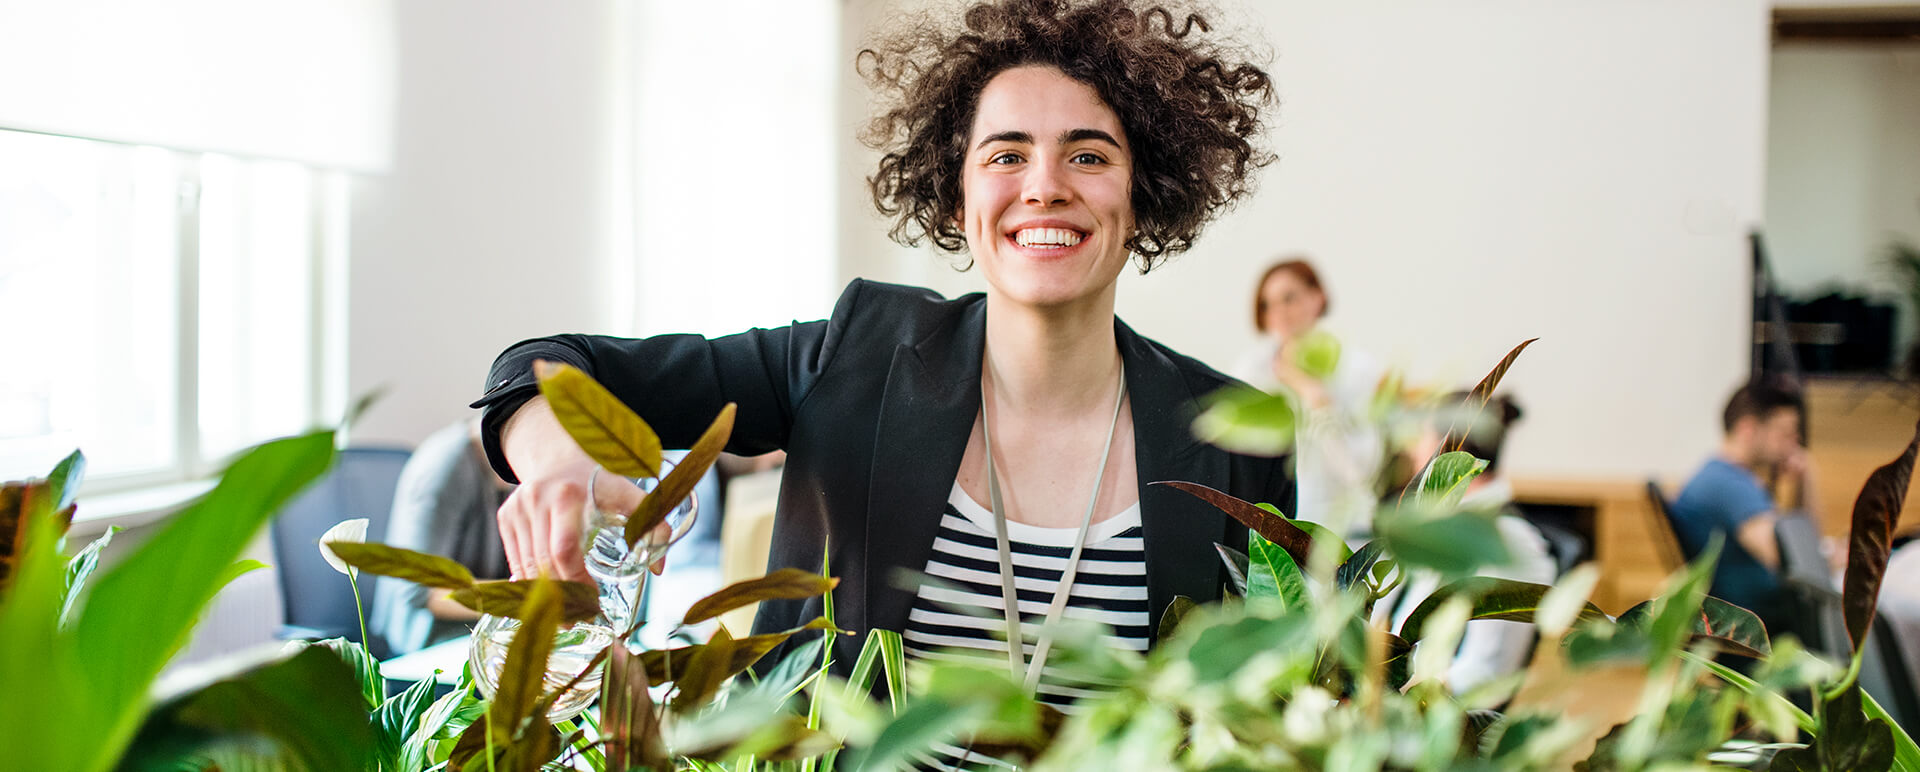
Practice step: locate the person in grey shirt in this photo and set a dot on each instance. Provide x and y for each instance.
(444, 505)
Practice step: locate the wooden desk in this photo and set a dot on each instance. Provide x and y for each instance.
(1854, 426)
(1633, 546)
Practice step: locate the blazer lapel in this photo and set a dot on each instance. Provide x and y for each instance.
(931, 399)
(1178, 529)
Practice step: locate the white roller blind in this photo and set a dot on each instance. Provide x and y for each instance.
(305, 81)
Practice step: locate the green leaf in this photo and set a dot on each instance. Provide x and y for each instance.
(64, 480)
(1246, 420)
(784, 584)
(1732, 628)
(1279, 530)
(156, 593)
(1271, 573)
(36, 657)
(515, 730)
(606, 429)
(1482, 392)
(1875, 513)
(1848, 739)
(80, 568)
(1445, 482)
(366, 670)
(1492, 598)
(1237, 563)
(680, 482)
(1221, 648)
(306, 705)
(395, 722)
(1317, 354)
(1177, 610)
(1356, 567)
(417, 567)
(1451, 545)
(579, 601)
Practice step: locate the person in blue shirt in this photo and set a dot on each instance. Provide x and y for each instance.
(1727, 496)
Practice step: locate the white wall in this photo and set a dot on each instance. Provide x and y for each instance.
(1843, 162)
(497, 215)
(1473, 173)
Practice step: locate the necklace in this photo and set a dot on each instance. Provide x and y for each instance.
(1016, 644)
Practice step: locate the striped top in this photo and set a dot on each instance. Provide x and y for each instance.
(959, 612)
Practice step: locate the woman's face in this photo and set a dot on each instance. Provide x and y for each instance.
(1292, 306)
(1046, 187)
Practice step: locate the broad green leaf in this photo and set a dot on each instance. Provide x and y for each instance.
(1731, 628)
(366, 670)
(1278, 530)
(1875, 513)
(1359, 564)
(1567, 601)
(396, 721)
(237, 569)
(1483, 391)
(1451, 545)
(36, 659)
(1489, 598)
(1243, 419)
(579, 601)
(1221, 648)
(1272, 573)
(417, 567)
(801, 665)
(444, 720)
(606, 429)
(64, 481)
(630, 721)
(1848, 739)
(686, 474)
(307, 705)
(156, 593)
(784, 584)
(80, 568)
(1317, 354)
(1236, 563)
(707, 669)
(1177, 610)
(1445, 482)
(1906, 755)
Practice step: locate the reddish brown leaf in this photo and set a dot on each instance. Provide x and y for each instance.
(784, 584)
(579, 601)
(707, 668)
(670, 665)
(1482, 392)
(416, 567)
(1875, 513)
(628, 715)
(1273, 528)
(686, 474)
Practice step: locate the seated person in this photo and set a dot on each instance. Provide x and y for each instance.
(1489, 648)
(445, 505)
(1762, 425)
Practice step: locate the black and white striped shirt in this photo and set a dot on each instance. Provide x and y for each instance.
(960, 613)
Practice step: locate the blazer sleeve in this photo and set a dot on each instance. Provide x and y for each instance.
(678, 383)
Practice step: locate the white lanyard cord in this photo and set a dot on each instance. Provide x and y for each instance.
(1016, 644)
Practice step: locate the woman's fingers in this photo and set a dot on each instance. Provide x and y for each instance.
(540, 529)
(513, 536)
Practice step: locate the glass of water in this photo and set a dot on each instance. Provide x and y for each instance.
(620, 574)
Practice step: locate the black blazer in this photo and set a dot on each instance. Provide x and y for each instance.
(874, 406)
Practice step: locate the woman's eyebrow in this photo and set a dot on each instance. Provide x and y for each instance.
(1020, 137)
(1080, 135)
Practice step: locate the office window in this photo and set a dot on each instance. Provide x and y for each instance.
(161, 309)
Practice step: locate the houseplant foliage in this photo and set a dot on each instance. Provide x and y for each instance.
(1294, 670)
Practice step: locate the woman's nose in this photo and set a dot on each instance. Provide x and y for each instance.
(1045, 186)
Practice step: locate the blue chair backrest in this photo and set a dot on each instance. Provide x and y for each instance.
(317, 599)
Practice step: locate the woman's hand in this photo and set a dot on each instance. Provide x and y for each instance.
(540, 522)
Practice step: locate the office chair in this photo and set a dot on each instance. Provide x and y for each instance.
(317, 599)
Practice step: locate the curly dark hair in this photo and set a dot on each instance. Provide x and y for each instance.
(1190, 108)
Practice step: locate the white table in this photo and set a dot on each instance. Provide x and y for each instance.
(447, 657)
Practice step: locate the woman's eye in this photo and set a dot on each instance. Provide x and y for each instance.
(1005, 158)
(1088, 158)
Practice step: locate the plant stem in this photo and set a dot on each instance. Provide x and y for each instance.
(361, 615)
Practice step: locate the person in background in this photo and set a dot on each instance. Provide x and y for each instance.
(1339, 450)
(1761, 441)
(445, 504)
(1489, 648)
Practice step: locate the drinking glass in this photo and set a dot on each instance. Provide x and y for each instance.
(620, 574)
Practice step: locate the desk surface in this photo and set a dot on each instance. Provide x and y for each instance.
(446, 657)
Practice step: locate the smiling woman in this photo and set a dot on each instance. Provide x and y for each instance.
(1001, 442)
